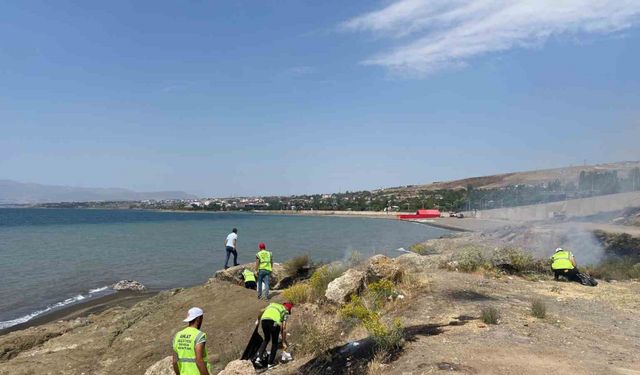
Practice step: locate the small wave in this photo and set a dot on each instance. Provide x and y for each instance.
(98, 290)
(55, 306)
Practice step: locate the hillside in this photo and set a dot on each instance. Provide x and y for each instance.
(564, 175)
(13, 192)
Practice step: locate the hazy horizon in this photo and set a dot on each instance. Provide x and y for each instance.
(246, 99)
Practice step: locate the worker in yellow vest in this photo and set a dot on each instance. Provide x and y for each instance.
(274, 323)
(190, 355)
(249, 279)
(264, 265)
(564, 264)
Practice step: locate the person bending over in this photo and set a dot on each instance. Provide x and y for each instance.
(274, 323)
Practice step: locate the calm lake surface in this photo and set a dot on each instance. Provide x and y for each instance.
(51, 258)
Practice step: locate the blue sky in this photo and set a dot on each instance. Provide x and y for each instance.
(285, 97)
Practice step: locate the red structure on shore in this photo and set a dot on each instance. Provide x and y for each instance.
(421, 214)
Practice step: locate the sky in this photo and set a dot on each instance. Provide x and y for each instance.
(233, 98)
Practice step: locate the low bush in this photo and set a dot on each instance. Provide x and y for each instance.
(294, 266)
(538, 309)
(380, 291)
(388, 338)
(321, 277)
(490, 315)
(316, 338)
(518, 261)
(355, 311)
(469, 259)
(423, 249)
(615, 269)
(297, 293)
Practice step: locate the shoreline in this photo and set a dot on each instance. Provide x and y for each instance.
(83, 309)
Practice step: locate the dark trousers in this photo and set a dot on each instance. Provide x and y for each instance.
(231, 250)
(250, 285)
(571, 275)
(271, 332)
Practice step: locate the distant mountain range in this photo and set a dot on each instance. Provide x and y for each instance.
(13, 192)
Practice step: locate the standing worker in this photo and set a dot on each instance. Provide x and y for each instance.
(274, 323)
(249, 279)
(231, 245)
(264, 265)
(190, 355)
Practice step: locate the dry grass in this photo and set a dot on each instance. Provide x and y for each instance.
(490, 315)
(379, 364)
(297, 293)
(538, 309)
(294, 266)
(316, 338)
(321, 278)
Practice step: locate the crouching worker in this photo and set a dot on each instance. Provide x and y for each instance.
(190, 356)
(564, 264)
(249, 279)
(274, 323)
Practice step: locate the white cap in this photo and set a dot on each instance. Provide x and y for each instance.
(193, 313)
(559, 249)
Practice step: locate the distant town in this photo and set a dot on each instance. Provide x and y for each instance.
(586, 183)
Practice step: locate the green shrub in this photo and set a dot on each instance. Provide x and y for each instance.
(294, 266)
(355, 310)
(538, 309)
(379, 291)
(615, 269)
(518, 261)
(387, 337)
(423, 249)
(321, 277)
(297, 293)
(490, 315)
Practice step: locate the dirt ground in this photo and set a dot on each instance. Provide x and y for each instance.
(586, 330)
(128, 341)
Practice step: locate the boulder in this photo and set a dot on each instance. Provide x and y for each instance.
(413, 262)
(238, 367)
(129, 285)
(341, 289)
(232, 274)
(382, 267)
(162, 367)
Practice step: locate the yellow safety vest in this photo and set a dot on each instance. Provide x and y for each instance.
(562, 260)
(248, 276)
(275, 312)
(184, 345)
(264, 257)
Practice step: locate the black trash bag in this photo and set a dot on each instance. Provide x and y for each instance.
(586, 279)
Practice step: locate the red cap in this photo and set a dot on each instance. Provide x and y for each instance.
(288, 306)
(262, 245)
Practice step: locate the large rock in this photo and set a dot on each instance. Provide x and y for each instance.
(129, 285)
(232, 274)
(162, 367)
(238, 367)
(382, 267)
(341, 289)
(413, 262)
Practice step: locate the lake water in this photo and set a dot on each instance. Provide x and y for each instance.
(51, 258)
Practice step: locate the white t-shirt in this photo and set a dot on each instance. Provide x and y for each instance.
(230, 238)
